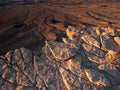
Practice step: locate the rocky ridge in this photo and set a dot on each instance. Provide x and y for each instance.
(89, 59)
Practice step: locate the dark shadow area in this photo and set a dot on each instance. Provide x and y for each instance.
(54, 21)
(20, 36)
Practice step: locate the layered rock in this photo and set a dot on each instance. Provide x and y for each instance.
(74, 64)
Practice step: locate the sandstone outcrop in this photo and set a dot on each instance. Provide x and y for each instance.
(73, 64)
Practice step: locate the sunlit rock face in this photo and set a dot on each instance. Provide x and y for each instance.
(84, 62)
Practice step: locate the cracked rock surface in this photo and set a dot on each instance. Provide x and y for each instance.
(87, 61)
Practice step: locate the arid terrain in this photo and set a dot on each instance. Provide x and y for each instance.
(28, 25)
(39, 52)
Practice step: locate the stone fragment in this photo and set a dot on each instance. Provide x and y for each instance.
(24, 60)
(18, 60)
(71, 32)
(27, 55)
(25, 88)
(99, 31)
(71, 43)
(111, 56)
(73, 75)
(91, 40)
(106, 43)
(46, 73)
(3, 65)
(74, 65)
(22, 79)
(117, 40)
(4, 85)
(110, 31)
(105, 31)
(97, 78)
(94, 54)
(9, 75)
(112, 72)
(60, 51)
(8, 55)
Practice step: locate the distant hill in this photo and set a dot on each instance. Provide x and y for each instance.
(54, 1)
(19, 1)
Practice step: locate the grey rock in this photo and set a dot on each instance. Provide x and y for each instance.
(6, 85)
(106, 41)
(97, 78)
(112, 71)
(25, 88)
(94, 54)
(60, 51)
(91, 40)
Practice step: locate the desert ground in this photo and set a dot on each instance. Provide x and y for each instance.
(29, 25)
(60, 45)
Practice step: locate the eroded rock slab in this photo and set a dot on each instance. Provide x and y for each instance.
(73, 64)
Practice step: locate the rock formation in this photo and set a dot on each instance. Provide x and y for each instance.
(88, 61)
(28, 25)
